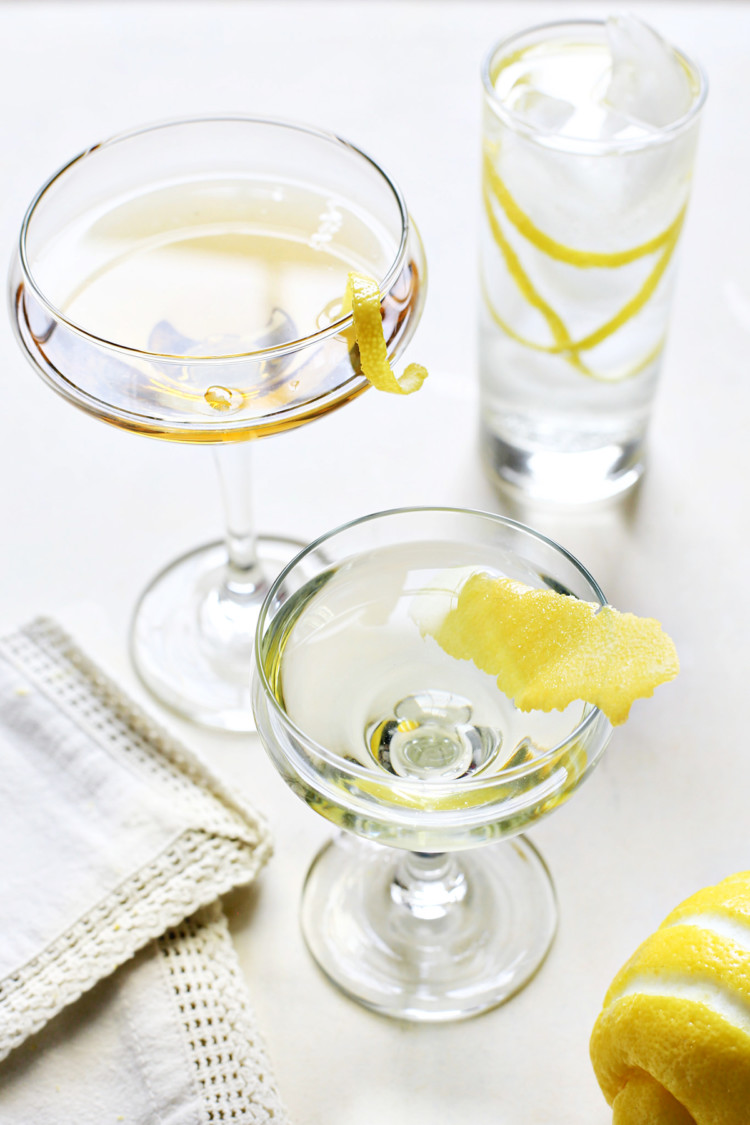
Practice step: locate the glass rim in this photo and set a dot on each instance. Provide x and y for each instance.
(420, 786)
(335, 328)
(584, 145)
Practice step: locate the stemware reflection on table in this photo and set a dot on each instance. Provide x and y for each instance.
(383, 733)
(185, 281)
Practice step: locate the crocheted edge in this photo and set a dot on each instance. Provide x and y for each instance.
(195, 870)
(230, 1068)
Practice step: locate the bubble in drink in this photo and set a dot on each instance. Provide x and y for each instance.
(224, 399)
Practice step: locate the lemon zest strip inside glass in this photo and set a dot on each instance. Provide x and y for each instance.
(362, 299)
(496, 193)
(583, 259)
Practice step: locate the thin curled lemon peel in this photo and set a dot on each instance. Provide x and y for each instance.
(626, 373)
(495, 193)
(548, 649)
(362, 299)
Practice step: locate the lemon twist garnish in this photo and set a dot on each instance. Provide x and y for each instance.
(548, 649)
(671, 1045)
(496, 193)
(362, 297)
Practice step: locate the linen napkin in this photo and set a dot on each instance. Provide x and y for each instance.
(112, 838)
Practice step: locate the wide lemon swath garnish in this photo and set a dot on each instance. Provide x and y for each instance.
(548, 649)
(362, 297)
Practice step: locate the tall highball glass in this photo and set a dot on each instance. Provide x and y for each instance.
(185, 281)
(589, 138)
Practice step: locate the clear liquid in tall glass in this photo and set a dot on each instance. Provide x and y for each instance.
(583, 204)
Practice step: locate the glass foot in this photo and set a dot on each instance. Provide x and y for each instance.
(193, 633)
(429, 938)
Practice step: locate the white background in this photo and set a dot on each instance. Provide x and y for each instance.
(88, 514)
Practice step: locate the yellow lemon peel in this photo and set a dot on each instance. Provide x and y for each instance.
(362, 298)
(583, 259)
(548, 649)
(497, 198)
(671, 1045)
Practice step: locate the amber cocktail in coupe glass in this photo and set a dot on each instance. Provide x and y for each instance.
(379, 729)
(186, 281)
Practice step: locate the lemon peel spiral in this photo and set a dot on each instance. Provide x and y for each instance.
(671, 1045)
(362, 299)
(498, 200)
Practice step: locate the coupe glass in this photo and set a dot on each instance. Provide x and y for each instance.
(185, 281)
(379, 730)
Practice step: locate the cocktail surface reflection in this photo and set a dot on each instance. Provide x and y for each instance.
(376, 727)
(185, 281)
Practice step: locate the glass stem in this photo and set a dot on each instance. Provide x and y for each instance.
(429, 884)
(233, 461)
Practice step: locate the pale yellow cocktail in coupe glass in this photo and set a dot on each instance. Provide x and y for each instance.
(186, 281)
(430, 905)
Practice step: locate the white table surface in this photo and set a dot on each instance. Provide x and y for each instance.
(88, 514)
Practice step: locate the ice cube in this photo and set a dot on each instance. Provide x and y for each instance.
(649, 85)
(167, 340)
(542, 111)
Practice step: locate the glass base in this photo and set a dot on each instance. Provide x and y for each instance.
(193, 633)
(587, 476)
(455, 943)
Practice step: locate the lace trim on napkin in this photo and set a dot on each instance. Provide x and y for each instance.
(227, 846)
(230, 1066)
